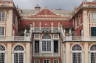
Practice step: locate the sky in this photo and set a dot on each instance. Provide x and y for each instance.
(51, 4)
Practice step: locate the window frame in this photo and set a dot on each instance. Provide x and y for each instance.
(47, 59)
(3, 52)
(92, 52)
(77, 52)
(46, 40)
(19, 52)
(2, 31)
(93, 15)
(3, 16)
(37, 60)
(55, 59)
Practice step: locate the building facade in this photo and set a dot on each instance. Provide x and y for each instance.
(42, 35)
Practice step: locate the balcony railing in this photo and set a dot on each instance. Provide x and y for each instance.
(46, 29)
(79, 38)
(14, 38)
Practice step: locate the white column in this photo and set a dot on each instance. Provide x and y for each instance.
(85, 55)
(68, 53)
(25, 31)
(86, 25)
(40, 26)
(9, 58)
(9, 22)
(63, 53)
(70, 32)
(52, 26)
(33, 26)
(28, 53)
(64, 32)
(59, 26)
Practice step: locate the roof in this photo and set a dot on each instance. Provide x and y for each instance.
(29, 12)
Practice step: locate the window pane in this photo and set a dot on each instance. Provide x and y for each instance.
(56, 61)
(2, 48)
(76, 47)
(48, 45)
(46, 61)
(18, 57)
(2, 16)
(56, 46)
(93, 48)
(18, 54)
(44, 45)
(94, 16)
(46, 36)
(77, 58)
(36, 46)
(18, 48)
(93, 57)
(2, 57)
(93, 31)
(36, 61)
(1, 30)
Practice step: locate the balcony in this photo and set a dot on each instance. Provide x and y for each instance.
(14, 38)
(80, 38)
(46, 29)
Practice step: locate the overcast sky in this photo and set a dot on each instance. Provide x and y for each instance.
(52, 4)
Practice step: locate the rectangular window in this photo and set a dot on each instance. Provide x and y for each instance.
(2, 16)
(93, 31)
(56, 61)
(67, 32)
(37, 46)
(46, 61)
(46, 45)
(18, 58)
(94, 16)
(93, 57)
(36, 61)
(77, 58)
(1, 30)
(55, 46)
(2, 58)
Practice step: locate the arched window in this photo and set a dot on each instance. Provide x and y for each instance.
(76, 54)
(18, 54)
(2, 54)
(93, 54)
(76, 47)
(46, 36)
